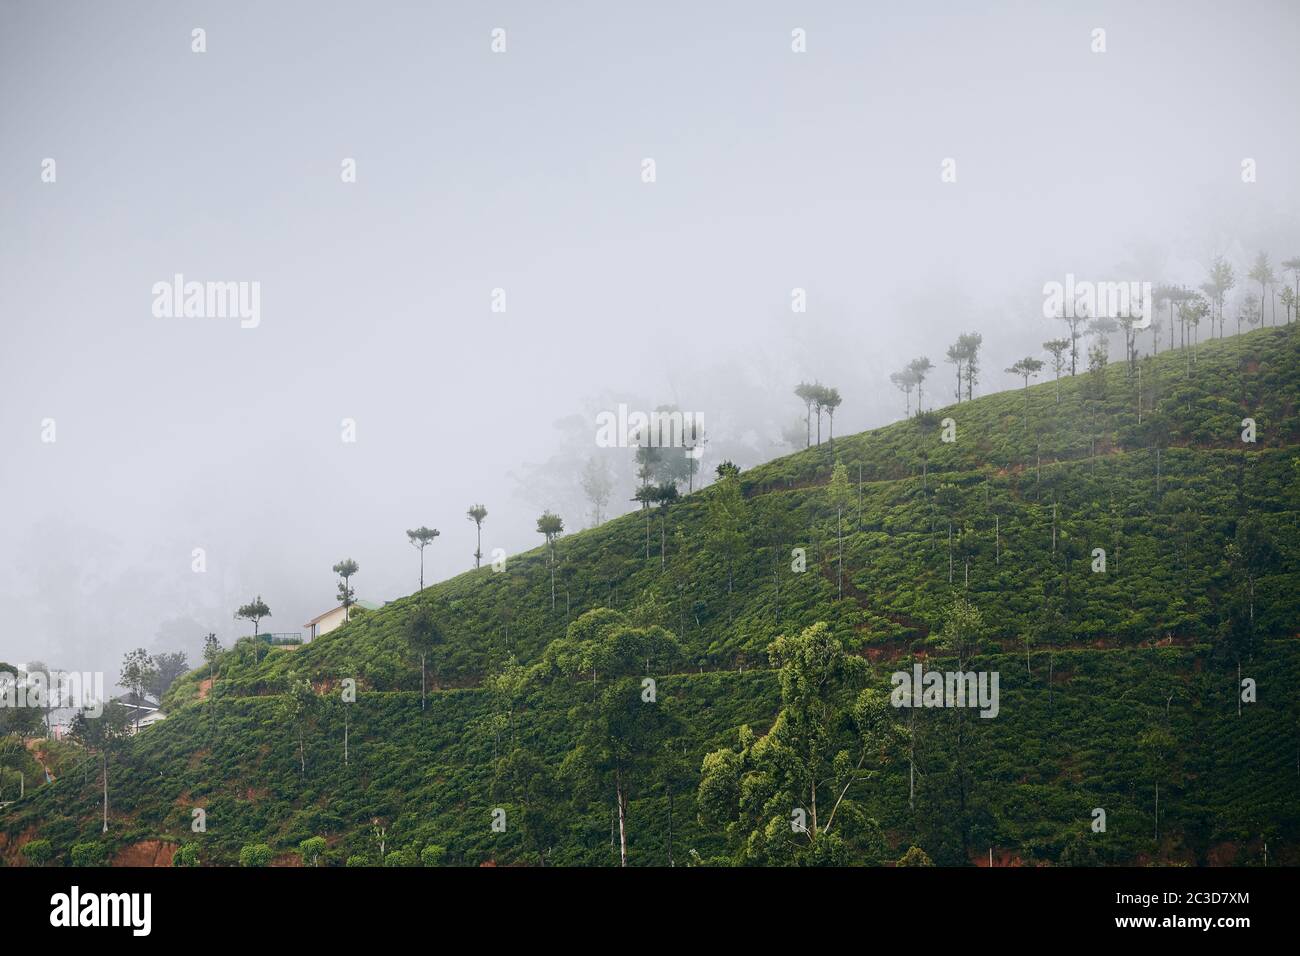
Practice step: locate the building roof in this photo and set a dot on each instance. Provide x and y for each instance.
(137, 703)
(368, 605)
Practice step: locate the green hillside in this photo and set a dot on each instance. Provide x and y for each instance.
(1113, 683)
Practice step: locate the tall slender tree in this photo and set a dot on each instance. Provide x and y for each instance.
(1057, 348)
(212, 657)
(666, 495)
(347, 594)
(104, 735)
(957, 360)
(831, 400)
(423, 636)
(1076, 319)
(905, 382)
(597, 485)
(1222, 279)
(1262, 272)
(420, 538)
(476, 514)
(551, 526)
(969, 344)
(806, 394)
(1293, 265)
(254, 611)
(138, 671)
(841, 497)
(919, 369)
(1026, 368)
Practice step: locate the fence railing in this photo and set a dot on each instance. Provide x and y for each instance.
(282, 638)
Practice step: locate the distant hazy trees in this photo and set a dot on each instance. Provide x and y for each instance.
(1249, 312)
(912, 376)
(167, 667)
(819, 398)
(1174, 297)
(551, 526)
(905, 382)
(964, 356)
(476, 514)
(138, 672)
(347, 594)
(1221, 281)
(1057, 348)
(1262, 272)
(1076, 320)
(1190, 313)
(919, 368)
(831, 400)
(807, 394)
(597, 485)
(420, 538)
(1293, 265)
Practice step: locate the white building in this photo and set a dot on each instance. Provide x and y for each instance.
(332, 619)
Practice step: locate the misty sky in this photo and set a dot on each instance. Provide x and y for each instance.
(522, 171)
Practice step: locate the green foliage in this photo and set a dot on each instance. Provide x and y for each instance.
(780, 796)
(404, 857)
(38, 852)
(187, 855)
(914, 856)
(1113, 682)
(433, 855)
(255, 854)
(91, 853)
(311, 850)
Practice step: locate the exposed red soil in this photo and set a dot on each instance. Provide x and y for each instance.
(1000, 858)
(146, 853)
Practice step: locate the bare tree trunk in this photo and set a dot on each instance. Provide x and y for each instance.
(105, 756)
(622, 822)
(911, 760)
(840, 531)
(670, 826)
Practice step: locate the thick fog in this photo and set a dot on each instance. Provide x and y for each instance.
(128, 439)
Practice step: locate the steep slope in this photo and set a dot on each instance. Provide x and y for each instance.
(1008, 515)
